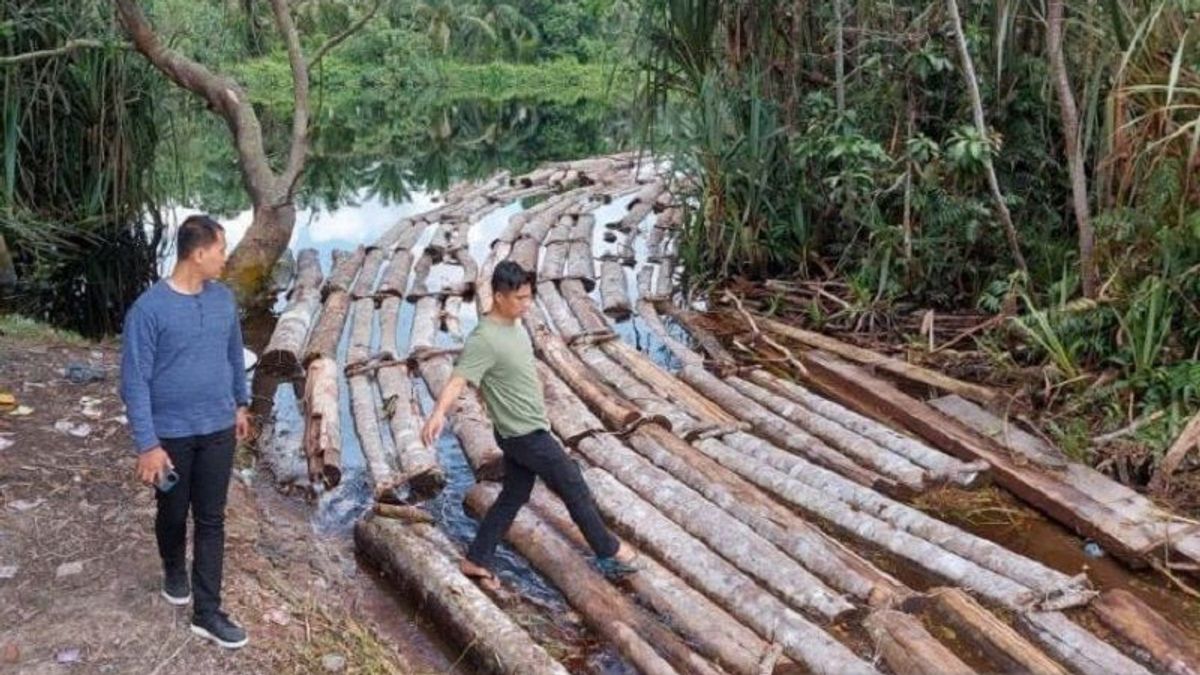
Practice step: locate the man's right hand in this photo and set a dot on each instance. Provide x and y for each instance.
(152, 464)
(432, 429)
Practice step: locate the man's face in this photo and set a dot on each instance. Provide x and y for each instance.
(211, 259)
(514, 304)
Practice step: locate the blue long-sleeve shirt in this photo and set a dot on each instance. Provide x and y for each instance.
(182, 367)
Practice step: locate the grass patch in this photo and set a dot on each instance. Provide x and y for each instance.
(25, 329)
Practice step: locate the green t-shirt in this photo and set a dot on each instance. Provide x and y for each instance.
(498, 359)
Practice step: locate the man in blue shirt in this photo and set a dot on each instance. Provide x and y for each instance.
(183, 380)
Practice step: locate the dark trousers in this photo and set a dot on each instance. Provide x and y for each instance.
(203, 464)
(525, 459)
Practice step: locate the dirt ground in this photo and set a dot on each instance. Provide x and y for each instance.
(79, 572)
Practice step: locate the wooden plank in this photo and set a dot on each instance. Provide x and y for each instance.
(1168, 647)
(999, 641)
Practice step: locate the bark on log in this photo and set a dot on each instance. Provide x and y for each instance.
(778, 430)
(829, 507)
(579, 258)
(469, 422)
(636, 392)
(723, 361)
(420, 278)
(494, 641)
(404, 513)
(878, 361)
(649, 315)
(573, 420)
(345, 268)
(650, 646)
(908, 648)
(525, 253)
(1009, 436)
(669, 386)
(614, 290)
(322, 423)
(395, 275)
(358, 351)
(581, 303)
(364, 285)
(857, 448)
(557, 311)
(282, 354)
(389, 327)
(451, 313)
(366, 425)
(400, 236)
(616, 412)
(1074, 646)
(325, 336)
(418, 464)
(939, 463)
(715, 577)
(727, 536)
(995, 638)
(1056, 589)
(826, 557)
(1127, 534)
(1168, 647)
(714, 632)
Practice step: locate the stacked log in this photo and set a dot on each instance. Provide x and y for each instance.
(282, 354)
(322, 423)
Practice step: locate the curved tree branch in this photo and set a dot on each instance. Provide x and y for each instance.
(299, 149)
(66, 48)
(221, 93)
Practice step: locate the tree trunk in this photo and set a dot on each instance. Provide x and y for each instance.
(282, 354)
(648, 644)
(972, 81)
(322, 423)
(415, 556)
(1071, 644)
(418, 464)
(366, 426)
(1073, 148)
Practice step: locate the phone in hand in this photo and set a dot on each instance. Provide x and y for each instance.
(167, 480)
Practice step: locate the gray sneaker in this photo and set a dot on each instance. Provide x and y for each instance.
(217, 627)
(176, 589)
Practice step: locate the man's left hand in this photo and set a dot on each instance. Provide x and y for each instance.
(243, 428)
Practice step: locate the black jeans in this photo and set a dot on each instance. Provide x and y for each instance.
(203, 464)
(525, 459)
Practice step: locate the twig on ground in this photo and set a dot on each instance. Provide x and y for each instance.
(759, 335)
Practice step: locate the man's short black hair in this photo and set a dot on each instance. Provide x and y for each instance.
(196, 232)
(509, 276)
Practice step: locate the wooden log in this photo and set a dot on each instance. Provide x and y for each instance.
(344, 270)
(483, 282)
(995, 638)
(469, 422)
(366, 425)
(283, 351)
(614, 290)
(694, 562)
(389, 326)
(725, 535)
(713, 631)
(907, 371)
(868, 527)
(325, 336)
(322, 423)
(908, 648)
(470, 268)
(616, 412)
(1168, 648)
(554, 261)
(451, 313)
(824, 556)
(418, 465)
(1056, 590)
(575, 421)
(723, 361)
(580, 301)
(862, 451)
(402, 231)
(939, 463)
(668, 386)
(494, 642)
(649, 315)
(404, 513)
(1070, 644)
(557, 311)
(395, 276)
(525, 253)
(636, 392)
(778, 430)
(649, 645)
(362, 319)
(364, 285)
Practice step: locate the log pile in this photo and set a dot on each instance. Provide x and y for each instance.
(771, 516)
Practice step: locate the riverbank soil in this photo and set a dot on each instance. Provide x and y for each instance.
(79, 571)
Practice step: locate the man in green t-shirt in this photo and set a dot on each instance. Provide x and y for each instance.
(498, 359)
